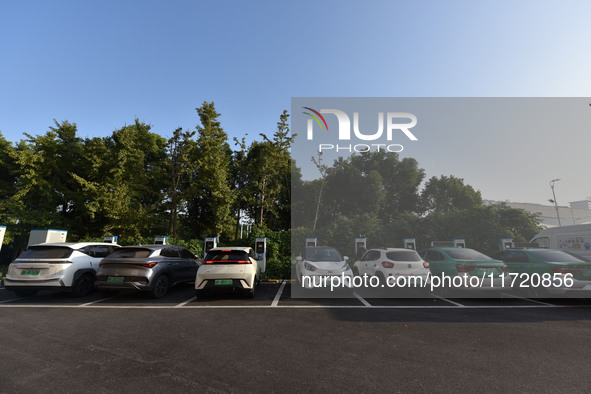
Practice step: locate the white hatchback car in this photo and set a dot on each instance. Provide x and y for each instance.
(395, 265)
(228, 269)
(320, 266)
(53, 266)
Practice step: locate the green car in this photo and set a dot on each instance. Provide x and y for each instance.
(455, 269)
(547, 271)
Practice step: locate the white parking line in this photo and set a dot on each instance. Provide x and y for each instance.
(363, 301)
(275, 302)
(537, 301)
(374, 307)
(526, 299)
(186, 302)
(99, 300)
(12, 299)
(452, 302)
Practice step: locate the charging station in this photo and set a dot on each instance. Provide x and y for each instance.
(311, 242)
(160, 240)
(110, 239)
(208, 244)
(360, 247)
(505, 243)
(459, 243)
(260, 249)
(2, 232)
(410, 243)
(47, 236)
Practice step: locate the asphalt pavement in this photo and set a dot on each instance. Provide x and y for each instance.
(273, 343)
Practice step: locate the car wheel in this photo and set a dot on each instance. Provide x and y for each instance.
(25, 293)
(83, 286)
(160, 287)
(381, 278)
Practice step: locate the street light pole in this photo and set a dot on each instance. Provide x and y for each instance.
(555, 202)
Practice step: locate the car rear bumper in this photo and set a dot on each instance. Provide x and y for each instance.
(210, 285)
(142, 285)
(30, 284)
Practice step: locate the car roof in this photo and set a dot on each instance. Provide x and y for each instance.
(152, 247)
(448, 248)
(76, 245)
(392, 249)
(240, 248)
(526, 249)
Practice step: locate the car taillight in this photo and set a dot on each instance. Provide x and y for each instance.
(425, 264)
(149, 265)
(387, 264)
(227, 261)
(465, 268)
(561, 270)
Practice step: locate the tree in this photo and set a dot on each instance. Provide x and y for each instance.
(127, 181)
(180, 148)
(211, 206)
(446, 194)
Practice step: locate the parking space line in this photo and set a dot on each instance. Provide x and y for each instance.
(452, 302)
(363, 301)
(186, 302)
(12, 299)
(374, 307)
(99, 300)
(275, 302)
(537, 301)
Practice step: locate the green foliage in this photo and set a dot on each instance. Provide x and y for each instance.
(211, 205)
(376, 195)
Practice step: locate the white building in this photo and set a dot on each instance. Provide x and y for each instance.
(547, 213)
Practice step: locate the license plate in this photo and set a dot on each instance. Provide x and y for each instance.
(115, 279)
(30, 272)
(223, 282)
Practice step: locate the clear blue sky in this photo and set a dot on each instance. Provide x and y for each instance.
(101, 64)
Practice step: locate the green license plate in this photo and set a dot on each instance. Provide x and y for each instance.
(115, 279)
(30, 272)
(223, 282)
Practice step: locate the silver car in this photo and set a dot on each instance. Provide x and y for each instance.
(150, 268)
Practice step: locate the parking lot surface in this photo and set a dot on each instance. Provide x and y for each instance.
(273, 343)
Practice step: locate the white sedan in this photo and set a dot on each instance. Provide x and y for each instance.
(320, 266)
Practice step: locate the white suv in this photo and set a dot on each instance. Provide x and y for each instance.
(228, 269)
(51, 266)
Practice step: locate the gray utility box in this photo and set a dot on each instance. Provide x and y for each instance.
(47, 236)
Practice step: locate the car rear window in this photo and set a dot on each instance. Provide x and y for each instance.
(466, 254)
(47, 252)
(403, 255)
(131, 253)
(226, 256)
(556, 256)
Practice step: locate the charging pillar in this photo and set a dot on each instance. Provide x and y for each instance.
(260, 249)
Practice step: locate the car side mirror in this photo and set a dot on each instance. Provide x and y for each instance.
(346, 258)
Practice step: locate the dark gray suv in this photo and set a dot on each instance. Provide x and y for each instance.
(150, 268)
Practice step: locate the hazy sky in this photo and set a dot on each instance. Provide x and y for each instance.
(101, 64)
